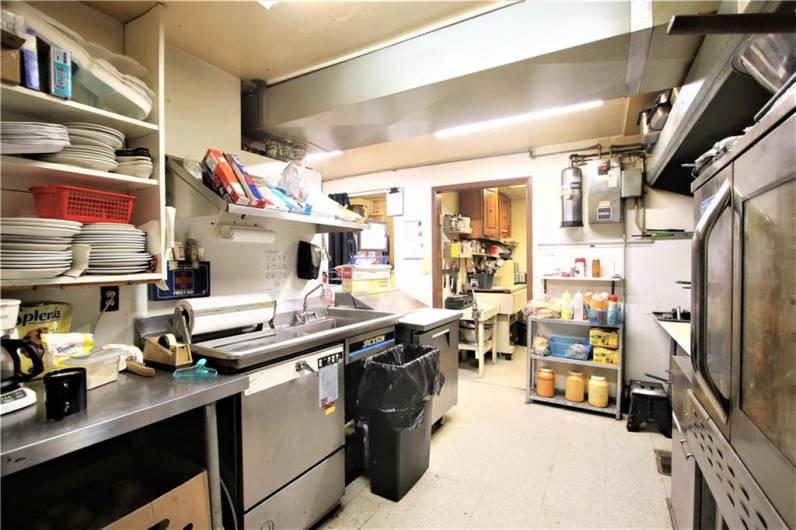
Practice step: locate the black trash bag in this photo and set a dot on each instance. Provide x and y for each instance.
(398, 382)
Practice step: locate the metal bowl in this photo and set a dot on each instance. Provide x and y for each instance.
(770, 59)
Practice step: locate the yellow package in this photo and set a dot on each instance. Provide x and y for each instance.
(604, 338)
(37, 318)
(604, 355)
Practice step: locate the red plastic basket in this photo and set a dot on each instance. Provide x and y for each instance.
(82, 204)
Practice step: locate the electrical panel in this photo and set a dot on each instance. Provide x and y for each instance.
(632, 183)
(605, 191)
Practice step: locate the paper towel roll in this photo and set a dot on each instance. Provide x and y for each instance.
(217, 313)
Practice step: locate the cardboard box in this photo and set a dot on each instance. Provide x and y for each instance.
(60, 72)
(11, 66)
(186, 506)
(604, 338)
(247, 182)
(137, 489)
(223, 177)
(363, 286)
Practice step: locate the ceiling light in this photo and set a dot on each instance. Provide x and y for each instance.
(314, 157)
(513, 120)
(268, 4)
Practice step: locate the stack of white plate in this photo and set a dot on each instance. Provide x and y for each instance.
(34, 248)
(22, 137)
(135, 166)
(101, 158)
(90, 134)
(115, 248)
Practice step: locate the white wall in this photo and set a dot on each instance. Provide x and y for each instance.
(651, 268)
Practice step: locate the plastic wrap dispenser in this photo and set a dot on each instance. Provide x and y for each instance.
(571, 196)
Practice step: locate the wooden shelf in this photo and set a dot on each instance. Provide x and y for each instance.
(66, 281)
(564, 360)
(581, 323)
(38, 105)
(21, 173)
(559, 399)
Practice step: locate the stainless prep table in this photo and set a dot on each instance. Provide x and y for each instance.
(114, 409)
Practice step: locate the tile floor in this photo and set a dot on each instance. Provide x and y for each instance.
(499, 463)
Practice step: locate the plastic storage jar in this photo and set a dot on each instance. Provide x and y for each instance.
(575, 389)
(545, 382)
(598, 391)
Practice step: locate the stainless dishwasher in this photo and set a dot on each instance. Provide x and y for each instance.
(282, 446)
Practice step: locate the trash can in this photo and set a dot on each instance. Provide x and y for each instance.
(395, 395)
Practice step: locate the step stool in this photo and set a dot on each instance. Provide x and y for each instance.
(649, 402)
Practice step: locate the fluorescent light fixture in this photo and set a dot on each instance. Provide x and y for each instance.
(323, 155)
(268, 4)
(513, 120)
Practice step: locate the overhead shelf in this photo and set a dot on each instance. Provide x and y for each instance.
(38, 105)
(82, 281)
(182, 192)
(21, 173)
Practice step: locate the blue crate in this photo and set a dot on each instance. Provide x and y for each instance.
(559, 347)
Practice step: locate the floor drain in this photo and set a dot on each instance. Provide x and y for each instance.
(664, 461)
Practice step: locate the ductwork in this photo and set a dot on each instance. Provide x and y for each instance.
(525, 57)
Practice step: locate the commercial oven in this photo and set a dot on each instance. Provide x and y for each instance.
(741, 428)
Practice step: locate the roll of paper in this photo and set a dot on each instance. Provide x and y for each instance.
(218, 313)
(168, 341)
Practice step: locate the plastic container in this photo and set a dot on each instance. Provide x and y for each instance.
(562, 347)
(9, 310)
(598, 391)
(613, 310)
(595, 268)
(545, 382)
(575, 389)
(580, 267)
(577, 306)
(598, 317)
(566, 306)
(101, 369)
(82, 204)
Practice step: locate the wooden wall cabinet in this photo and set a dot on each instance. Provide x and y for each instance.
(504, 215)
(489, 213)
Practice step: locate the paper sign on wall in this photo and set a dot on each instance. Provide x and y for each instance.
(395, 202)
(275, 267)
(412, 239)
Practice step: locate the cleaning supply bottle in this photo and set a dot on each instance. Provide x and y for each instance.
(566, 306)
(577, 306)
(613, 310)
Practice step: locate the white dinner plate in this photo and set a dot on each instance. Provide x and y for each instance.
(39, 221)
(37, 231)
(117, 271)
(94, 127)
(31, 274)
(90, 163)
(14, 245)
(105, 138)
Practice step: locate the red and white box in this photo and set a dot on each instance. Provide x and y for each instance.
(223, 177)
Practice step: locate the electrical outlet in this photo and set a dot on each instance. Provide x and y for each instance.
(109, 296)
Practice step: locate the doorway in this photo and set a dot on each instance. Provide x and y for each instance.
(482, 243)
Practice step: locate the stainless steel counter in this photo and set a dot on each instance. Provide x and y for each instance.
(113, 409)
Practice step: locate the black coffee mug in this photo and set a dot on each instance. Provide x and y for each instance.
(65, 392)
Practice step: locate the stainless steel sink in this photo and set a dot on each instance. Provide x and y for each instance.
(336, 324)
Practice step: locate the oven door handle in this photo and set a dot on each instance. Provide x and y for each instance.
(699, 295)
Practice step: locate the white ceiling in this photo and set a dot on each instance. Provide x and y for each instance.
(513, 192)
(293, 37)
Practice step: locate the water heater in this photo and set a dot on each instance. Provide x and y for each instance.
(571, 197)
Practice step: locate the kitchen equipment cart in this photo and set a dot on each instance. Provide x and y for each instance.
(612, 372)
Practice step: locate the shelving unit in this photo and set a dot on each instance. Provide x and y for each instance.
(183, 187)
(21, 173)
(47, 108)
(144, 41)
(580, 279)
(612, 372)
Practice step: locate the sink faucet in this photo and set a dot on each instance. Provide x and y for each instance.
(305, 316)
(472, 285)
